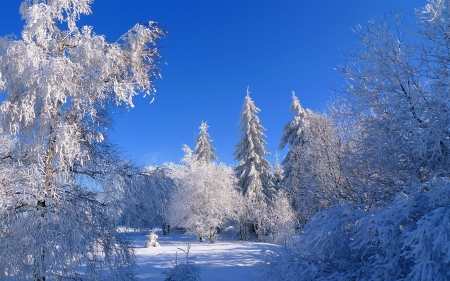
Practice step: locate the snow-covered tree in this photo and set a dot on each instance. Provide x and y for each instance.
(313, 177)
(253, 170)
(278, 173)
(206, 197)
(146, 198)
(281, 220)
(203, 150)
(58, 84)
(294, 136)
(293, 132)
(408, 240)
(396, 86)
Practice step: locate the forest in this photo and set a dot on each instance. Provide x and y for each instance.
(362, 194)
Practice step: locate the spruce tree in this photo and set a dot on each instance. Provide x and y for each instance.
(278, 173)
(203, 151)
(294, 134)
(253, 170)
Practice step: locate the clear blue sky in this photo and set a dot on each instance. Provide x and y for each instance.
(214, 50)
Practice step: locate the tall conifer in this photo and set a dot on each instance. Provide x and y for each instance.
(294, 133)
(253, 170)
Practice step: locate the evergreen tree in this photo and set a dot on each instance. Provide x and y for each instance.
(313, 178)
(203, 151)
(278, 173)
(294, 133)
(253, 170)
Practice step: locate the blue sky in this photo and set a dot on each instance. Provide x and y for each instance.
(214, 50)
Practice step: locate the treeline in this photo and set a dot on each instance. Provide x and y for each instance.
(368, 181)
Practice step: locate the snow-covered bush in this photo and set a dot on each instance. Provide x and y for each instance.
(281, 220)
(184, 271)
(407, 240)
(152, 240)
(272, 222)
(206, 197)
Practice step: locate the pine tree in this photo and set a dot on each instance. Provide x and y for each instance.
(313, 178)
(294, 133)
(203, 151)
(253, 170)
(278, 173)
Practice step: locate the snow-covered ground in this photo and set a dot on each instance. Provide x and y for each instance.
(220, 261)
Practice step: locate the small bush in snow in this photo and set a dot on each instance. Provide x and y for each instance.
(152, 240)
(185, 271)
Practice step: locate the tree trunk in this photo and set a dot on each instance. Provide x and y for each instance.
(48, 172)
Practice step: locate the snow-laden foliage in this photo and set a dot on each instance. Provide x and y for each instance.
(407, 240)
(206, 197)
(397, 89)
(253, 170)
(293, 131)
(313, 176)
(395, 161)
(266, 221)
(146, 198)
(281, 220)
(203, 150)
(59, 222)
(73, 236)
(278, 172)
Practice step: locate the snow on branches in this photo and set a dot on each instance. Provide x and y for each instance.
(203, 149)
(59, 80)
(206, 198)
(253, 170)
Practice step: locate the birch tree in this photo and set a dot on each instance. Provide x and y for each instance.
(58, 81)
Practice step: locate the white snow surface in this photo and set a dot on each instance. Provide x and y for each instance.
(224, 260)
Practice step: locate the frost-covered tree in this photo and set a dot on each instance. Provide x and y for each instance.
(203, 150)
(313, 174)
(206, 197)
(278, 173)
(396, 85)
(294, 130)
(146, 198)
(281, 220)
(253, 170)
(408, 240)
(294, 135)
(58, 81)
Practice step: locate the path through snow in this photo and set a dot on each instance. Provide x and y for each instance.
(220, 261)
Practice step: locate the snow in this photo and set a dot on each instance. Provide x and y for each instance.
(225, 260)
